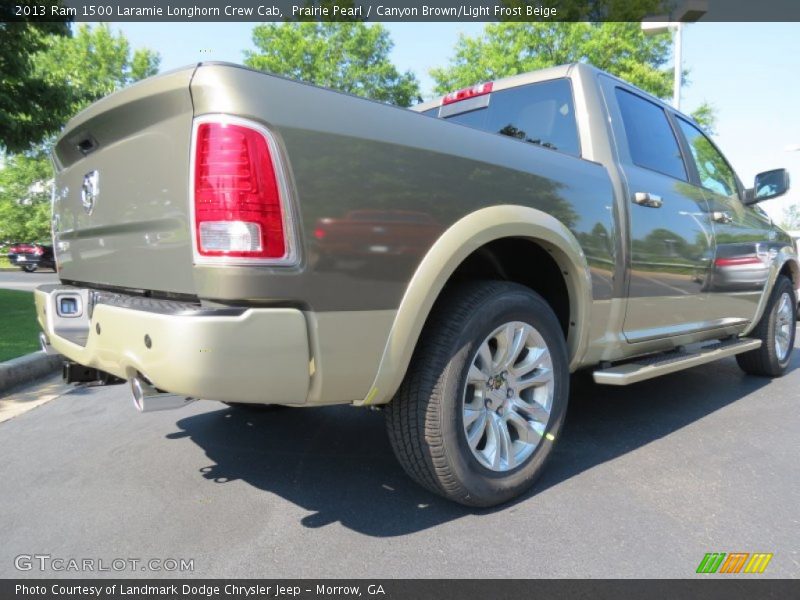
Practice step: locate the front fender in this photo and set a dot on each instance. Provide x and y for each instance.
(786, 256)
(450, 250)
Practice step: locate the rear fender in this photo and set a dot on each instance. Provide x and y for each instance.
(450, 250)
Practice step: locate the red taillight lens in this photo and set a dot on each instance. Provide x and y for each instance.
(470, 92)
(38, 250)
(237, 202)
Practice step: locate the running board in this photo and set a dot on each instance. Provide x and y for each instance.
(670, 362)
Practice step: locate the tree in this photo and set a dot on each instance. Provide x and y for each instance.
(705, 115)
(25, 187)
(510, 48)
(30, 102)
(791, 218)
(90, 65)
(351, 57)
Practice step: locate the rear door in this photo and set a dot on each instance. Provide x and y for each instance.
(671, 236)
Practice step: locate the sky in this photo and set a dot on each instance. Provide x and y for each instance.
(749, 72)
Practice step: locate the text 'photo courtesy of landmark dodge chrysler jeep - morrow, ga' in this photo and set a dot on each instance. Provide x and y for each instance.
(230, 235)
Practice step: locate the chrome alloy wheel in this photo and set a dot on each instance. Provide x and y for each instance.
(784, 324)
(508, 396)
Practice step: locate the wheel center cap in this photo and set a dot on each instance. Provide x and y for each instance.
(495, 382)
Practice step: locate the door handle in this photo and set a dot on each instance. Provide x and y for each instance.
(647, 199)
(722, 217)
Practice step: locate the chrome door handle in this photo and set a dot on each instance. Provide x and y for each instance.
(722, 217)
(647, 199)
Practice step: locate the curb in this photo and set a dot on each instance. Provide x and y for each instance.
(27, 368)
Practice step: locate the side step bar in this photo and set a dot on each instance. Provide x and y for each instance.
(669, 362)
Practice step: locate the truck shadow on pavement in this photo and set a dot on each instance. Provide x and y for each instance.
(337, 462)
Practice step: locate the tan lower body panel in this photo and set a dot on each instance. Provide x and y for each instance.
(260, 356)
(347, 348)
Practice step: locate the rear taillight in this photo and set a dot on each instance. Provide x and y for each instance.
(38, 250)
(240, 209)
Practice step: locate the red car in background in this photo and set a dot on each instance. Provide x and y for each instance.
(33, 256)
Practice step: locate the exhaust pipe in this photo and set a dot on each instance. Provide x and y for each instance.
(147, 398)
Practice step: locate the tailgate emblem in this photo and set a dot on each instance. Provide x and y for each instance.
(89, 190)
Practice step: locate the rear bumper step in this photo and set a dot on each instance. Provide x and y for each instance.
(670, 362)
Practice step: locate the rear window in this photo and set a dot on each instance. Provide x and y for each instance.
(651, 141)
(538, 113)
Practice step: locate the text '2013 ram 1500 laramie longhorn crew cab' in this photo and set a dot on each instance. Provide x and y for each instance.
(218, 233)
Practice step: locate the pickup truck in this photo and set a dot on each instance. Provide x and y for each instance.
(581, 225)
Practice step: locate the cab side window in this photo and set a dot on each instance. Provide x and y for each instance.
(715, 173)
(651, 140)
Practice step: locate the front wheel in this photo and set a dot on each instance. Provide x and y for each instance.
(485, 394)
(776, 330)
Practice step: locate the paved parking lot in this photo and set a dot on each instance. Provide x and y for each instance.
(19, 280)
(644, 482)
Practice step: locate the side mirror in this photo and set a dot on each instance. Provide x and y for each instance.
(768, 185)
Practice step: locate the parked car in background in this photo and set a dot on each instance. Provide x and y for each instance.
(32, 256)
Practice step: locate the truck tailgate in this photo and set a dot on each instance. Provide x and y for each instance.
(121, 199)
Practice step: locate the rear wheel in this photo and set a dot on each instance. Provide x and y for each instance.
(776, 330)
(29, 268)
(485, 394)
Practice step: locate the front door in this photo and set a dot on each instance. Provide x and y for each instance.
(745, 243)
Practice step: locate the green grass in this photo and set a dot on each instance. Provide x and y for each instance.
(19, 330)
(4, 262)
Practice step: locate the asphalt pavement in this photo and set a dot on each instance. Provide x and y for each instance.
(19, 280)
(643, 483)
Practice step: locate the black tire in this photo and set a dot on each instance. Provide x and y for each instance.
(255, 407)
(765, 361)
(29, 268)
(425, 418)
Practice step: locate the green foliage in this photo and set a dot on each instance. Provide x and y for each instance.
(25, 198)
(348, 56)
(89, 65)
(93, 63)
(30, 102)
(510, 48)
(18, 324)
(705, 115)
(791, 218)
